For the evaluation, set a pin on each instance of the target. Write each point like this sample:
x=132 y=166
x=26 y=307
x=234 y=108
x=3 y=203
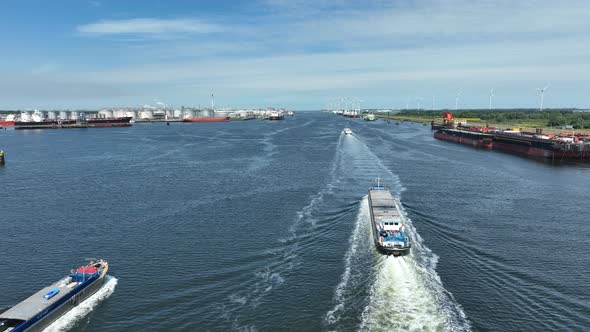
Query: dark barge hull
x=526 y=147
x=483 y=142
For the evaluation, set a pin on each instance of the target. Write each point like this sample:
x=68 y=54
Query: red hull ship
x=534 y=145
x=206 y=119
x=4 y=123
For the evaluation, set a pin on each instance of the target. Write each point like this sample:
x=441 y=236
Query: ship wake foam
x=73 y=316
x=386 y=293
x=353 y=277
x=404 y=298
x=286 y=253
x=408 y=294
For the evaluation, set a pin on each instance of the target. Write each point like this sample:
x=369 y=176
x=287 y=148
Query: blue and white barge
x=47 y=305
x=388 y=223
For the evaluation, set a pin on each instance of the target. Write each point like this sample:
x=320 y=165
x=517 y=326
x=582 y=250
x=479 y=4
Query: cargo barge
x=44 y=307
x=475 y=139
x=388 y=223
x=70 y=123
x=533 y=145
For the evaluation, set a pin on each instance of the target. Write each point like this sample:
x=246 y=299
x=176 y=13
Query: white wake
x=68 y=320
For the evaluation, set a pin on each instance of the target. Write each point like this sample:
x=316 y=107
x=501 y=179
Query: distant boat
x=275 y=115
x=47 y=305
x=370 y=117
x=347 y=131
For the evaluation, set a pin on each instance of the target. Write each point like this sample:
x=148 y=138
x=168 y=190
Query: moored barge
x=534 y=145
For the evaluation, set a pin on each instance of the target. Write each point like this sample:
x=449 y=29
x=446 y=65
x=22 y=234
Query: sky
x=293 y=53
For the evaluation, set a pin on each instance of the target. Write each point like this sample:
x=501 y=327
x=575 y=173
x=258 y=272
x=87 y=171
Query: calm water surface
x=264 y=226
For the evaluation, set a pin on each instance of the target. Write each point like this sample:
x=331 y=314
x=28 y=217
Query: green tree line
x=551 y=117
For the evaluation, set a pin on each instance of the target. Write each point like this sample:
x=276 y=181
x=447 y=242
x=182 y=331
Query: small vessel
x=47 y=305
x=8 y=121
x=388 y=223
x=275 y=115
x=2 y=160
x=347 y=131
x=370 y=117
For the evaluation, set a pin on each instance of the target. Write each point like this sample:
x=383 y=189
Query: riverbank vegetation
x=529 y=118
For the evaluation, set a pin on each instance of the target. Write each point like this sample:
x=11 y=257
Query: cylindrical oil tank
x=25 y=117
x=188 y=114
x=105 y=114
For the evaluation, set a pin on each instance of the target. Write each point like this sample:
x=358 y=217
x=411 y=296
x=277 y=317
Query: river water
x=263 y=226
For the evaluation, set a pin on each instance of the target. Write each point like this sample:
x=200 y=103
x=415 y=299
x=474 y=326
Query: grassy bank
x=550 y=121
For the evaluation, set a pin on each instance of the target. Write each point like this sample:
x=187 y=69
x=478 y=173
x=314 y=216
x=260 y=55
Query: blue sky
x=296 y=54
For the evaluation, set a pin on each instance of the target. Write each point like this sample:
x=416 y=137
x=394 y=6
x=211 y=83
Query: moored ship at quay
x=71 y=123
x=528 y=144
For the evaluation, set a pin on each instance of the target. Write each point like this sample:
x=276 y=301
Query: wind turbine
x=408 y=103
x=542 y=91
x=457 y=100
x=491 y=96
x=419 y=100
x=433 y=102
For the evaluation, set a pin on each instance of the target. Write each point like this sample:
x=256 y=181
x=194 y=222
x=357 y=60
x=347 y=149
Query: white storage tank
x=206 y=113
x=145 y=114
x=221 y=114
x=188 y=114
x=105 y=114
x=25 y=117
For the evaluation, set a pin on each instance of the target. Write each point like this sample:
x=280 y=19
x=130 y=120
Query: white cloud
x=149 y=26
x=318 y=48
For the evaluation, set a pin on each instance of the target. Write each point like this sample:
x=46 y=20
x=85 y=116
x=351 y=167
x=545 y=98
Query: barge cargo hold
x=388 y=223
x=44 y=307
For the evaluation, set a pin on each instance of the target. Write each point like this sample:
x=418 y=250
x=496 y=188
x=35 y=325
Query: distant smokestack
x=212 y=102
